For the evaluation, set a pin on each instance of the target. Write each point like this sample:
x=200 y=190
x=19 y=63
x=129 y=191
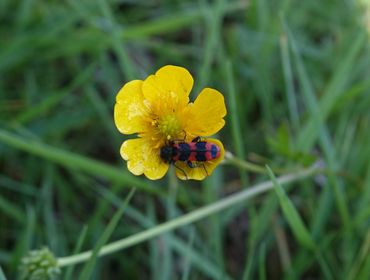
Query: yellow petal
x=202 y=169
x=142 y=158
x=130 y=111
x=205 y=116
x=168 y=90
x=184 y=172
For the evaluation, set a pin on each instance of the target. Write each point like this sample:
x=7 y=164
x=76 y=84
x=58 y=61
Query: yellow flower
x=158 y=110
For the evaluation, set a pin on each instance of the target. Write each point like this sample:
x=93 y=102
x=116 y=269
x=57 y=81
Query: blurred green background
x=295 y=76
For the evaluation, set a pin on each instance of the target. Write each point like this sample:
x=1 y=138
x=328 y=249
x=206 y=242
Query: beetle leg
x=194 y=164
x=196 y=139
x=179 y=168
x=205 y=169
x=183 y=140
x=191 y=164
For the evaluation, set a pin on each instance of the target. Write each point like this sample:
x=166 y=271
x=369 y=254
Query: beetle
x=194 y=153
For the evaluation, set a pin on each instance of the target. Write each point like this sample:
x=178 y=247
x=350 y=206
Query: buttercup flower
x=158 y=110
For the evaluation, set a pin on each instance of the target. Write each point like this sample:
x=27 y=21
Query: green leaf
x=291 y=214
x=73 y=161
x=89 y=266
x=281 y=144
x=79 y=243
x=2 y=275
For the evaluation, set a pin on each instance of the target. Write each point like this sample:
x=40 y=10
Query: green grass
x=295 y=79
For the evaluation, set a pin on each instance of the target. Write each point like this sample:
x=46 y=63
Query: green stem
x=186 y=219
x=242 y=164
x=230 y=159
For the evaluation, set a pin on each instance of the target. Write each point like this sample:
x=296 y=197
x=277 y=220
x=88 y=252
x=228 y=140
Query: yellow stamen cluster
x=169 y=126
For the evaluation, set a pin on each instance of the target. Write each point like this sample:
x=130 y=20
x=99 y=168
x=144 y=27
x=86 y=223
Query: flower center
x=169 y=126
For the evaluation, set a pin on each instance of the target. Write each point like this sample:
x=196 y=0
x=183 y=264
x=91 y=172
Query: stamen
x=169 y=126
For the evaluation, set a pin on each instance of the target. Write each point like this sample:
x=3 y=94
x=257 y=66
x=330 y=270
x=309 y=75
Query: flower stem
x=253 y=167
x=186 y=219
x=233 y=160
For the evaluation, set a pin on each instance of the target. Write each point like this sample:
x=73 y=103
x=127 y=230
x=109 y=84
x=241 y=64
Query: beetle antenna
x=184 y=139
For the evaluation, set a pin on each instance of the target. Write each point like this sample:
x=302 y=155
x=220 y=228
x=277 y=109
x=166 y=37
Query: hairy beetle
x=194 y=153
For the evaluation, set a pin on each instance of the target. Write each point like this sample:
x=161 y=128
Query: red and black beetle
x=194 y=153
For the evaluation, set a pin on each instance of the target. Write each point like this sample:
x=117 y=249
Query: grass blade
x=289 y=83
x=74 y=161
x=361 y=265
x=80 y=241
x=291 y=214
x=324 y=136
x=187 y=263
x=296 y=224
x=334 y=91
x=11 y=209
x=191 y=217
x=89 y=266
x=2 y=275
x=148 y=220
